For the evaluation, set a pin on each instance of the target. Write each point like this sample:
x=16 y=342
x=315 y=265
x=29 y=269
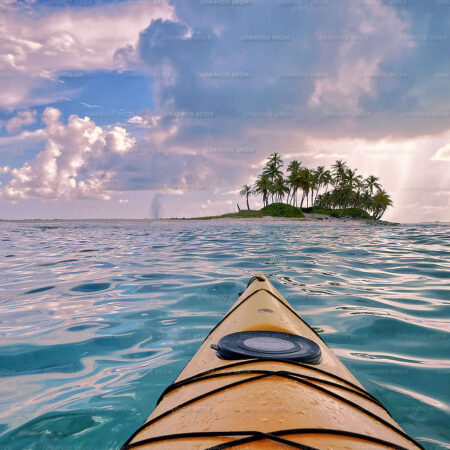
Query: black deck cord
x=257 y=435
x=310 y=431
x=259 y=377
x=255 y=277
x=294 y=375
x=147 y=424
x=257 y=360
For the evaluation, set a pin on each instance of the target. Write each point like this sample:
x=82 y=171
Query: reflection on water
x=97 y=318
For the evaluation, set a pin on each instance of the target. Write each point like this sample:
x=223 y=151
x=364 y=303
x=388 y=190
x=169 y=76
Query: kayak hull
x=321 y=405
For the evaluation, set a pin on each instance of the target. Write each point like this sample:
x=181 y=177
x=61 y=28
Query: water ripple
x=97 y=318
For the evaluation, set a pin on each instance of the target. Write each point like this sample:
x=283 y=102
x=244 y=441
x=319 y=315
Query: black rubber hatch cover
x=268 y=344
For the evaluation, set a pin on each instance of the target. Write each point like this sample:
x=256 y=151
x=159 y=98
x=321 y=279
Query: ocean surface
x=97 y=318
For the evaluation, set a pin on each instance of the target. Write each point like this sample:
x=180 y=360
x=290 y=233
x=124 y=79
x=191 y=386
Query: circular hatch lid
x=268 y=344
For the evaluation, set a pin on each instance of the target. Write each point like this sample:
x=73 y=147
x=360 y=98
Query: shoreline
x=310 y=218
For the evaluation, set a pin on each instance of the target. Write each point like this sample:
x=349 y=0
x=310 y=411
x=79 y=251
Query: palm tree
x=366 y=201
x=293 y=170
x=313 y=184
x=272 y=170
x=326 y=179
x=246 y=191
x=338 y=197
x=348 y=188
x=380 y=202
x=323 y=179
x=262 y=186
x=372 y=182
x=359 y=188
x=275 y=158
x=303 y=181
x=325 y=200
x=339 y=168
x=350 y=180
x=280 y=188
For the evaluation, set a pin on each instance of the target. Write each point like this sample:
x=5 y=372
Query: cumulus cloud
x=119 y=141
x=356 y=53
x=312 y=81
x=143 y=121
x=315 y=83
x=23 y=118
x=36 y=44
x=73 y=162
x=269 y=63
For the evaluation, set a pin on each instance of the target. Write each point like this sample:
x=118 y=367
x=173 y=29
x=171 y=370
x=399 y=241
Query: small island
x=339 y=192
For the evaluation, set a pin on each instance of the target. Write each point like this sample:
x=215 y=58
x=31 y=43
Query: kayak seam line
x=251 y=361
x=259 y=435
x=302 y=431
x=255 y=435
x=294 y=374
x=312 y=385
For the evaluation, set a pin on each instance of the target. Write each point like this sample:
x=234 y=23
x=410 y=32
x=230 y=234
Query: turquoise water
x=97 y=318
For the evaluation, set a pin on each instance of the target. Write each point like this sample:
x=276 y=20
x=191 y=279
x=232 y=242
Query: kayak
x=264 y=379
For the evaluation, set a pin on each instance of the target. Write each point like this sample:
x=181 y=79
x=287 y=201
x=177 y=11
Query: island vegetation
x=338 y=192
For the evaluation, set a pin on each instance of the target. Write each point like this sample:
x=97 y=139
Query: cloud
x=143 y=121
x=15 y=4
x=22 y=119
x=74 y=38
x=312 y=80
x=77 y=161
x=269 y=65
x=403 y=166
x=38 y=43
x=119 y=141
x=89 y=106
x=356 y=54
x=443 y=154
x=315 y=83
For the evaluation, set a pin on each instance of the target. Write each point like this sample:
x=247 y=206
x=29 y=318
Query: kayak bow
x=263 y=378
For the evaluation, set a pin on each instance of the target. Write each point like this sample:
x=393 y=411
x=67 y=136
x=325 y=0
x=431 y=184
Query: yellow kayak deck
x=267 y=404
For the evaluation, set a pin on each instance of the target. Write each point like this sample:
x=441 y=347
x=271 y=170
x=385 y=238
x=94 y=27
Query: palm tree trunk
x=345 y=204
x=317 y=194
x=248 y=206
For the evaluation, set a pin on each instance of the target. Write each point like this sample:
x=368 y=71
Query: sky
x=155 y=108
